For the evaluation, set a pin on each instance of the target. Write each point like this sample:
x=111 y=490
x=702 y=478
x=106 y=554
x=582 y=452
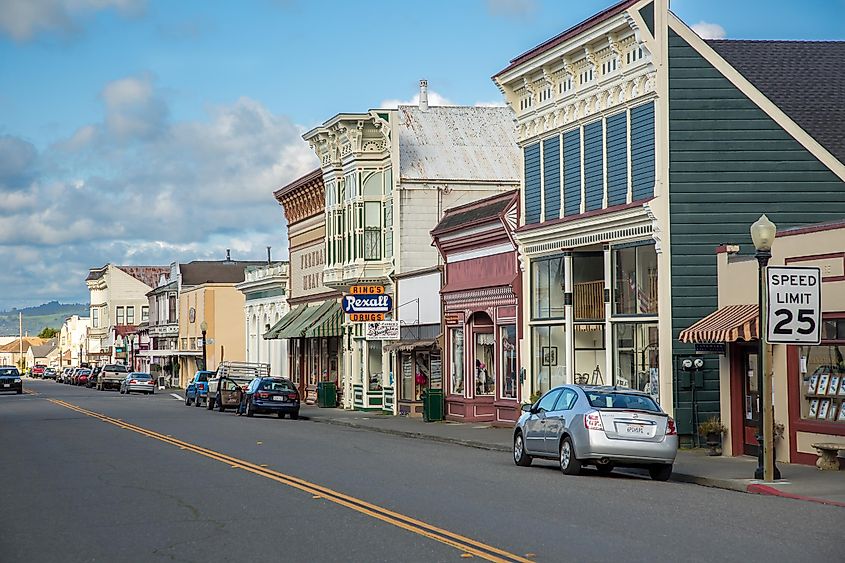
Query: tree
x=48 y=333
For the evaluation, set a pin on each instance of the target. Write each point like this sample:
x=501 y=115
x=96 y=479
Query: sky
x=151 y=131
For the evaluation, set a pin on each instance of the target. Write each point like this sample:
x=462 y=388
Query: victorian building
x=389 y=175
x=72 y=339
x=644 y=147
x=313 y=327
x=265 y=288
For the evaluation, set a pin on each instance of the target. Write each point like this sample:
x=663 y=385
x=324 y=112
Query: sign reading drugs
x=367 y=307
x=794 y=310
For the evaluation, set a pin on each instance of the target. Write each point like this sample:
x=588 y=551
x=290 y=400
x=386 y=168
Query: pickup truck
x=197 y=389
x=111 y=376
x=228 y=383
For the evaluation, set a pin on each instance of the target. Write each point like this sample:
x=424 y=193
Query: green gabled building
x=645 y=147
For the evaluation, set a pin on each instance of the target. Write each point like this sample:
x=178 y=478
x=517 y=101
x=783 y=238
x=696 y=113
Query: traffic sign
x=794 y=309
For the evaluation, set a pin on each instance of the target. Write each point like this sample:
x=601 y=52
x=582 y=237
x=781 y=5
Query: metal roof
x=463 y=143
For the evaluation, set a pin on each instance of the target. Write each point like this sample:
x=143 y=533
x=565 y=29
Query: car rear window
x=276 y=386
x=141 y=376
x=9 y=371
x=613 y=400
x=116 y=367
x=202 y=377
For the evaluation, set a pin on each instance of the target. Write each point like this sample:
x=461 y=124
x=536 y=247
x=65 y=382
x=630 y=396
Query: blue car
x=271 y=395
x=197 y=390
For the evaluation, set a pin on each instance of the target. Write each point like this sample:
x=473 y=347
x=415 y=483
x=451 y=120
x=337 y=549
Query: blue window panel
x=642 y=151
x=617 y=159
x=593 y=169
x=551 y=178
x=532 y=183
x=572 y=172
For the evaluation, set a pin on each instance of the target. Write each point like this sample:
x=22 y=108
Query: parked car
x=111 y=376
x=197 y=390
x=138 y=381
x=228 y=395
x=273 y=395
x=50 y=373
x=605 y=427
x=92 y=379
x=10 y=380
x=69 y=377
x=81 y=377
x=239 y=375
x=38 y=371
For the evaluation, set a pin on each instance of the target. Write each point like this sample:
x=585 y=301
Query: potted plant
x=712 y=430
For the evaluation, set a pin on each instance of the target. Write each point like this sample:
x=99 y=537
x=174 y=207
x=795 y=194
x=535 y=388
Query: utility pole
x=20 y=338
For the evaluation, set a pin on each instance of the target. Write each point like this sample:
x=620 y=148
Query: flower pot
x=714 y=442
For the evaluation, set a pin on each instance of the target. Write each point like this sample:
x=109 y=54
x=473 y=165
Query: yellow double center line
x=464 y=544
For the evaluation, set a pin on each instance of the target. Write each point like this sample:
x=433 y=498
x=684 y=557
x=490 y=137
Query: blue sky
x=103 y=101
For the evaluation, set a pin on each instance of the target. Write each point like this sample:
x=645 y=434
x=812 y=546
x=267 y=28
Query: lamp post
x=763 y=233
x=203 y=329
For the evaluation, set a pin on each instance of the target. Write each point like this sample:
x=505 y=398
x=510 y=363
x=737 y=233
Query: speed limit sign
x=795 y=300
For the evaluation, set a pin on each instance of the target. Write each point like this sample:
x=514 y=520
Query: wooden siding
x=572 y=172
x=593 y=166
x=483 y=271
x=532 y=183
x=642 y=151
x=729 y=162
x=551 y=178
x=617 y=159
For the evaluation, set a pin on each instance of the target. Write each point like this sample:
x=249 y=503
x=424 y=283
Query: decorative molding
x=656 y=232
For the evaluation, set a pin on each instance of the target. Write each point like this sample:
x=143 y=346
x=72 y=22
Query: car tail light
x=671 y=430
x=292 y=396
x=132 y=382
x=592 y=420
x=264 y=395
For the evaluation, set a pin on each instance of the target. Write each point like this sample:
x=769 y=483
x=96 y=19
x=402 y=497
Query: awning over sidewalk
x=728 y=324
x=330 y=323
x=284 y=322
x=408 y=345
x=308 y=317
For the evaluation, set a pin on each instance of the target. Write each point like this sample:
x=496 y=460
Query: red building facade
x=480 y=302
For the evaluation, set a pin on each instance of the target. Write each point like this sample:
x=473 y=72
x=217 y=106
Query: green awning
x=329 y=324
x=304 y=321
x=284 y=322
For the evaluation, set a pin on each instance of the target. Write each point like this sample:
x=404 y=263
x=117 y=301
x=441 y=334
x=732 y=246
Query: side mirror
x=527 y=407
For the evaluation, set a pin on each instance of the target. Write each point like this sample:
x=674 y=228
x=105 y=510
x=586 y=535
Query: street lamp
x=763 y=234
x=203 y=329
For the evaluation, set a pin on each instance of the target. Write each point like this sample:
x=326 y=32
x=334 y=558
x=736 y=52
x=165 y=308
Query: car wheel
x=294 y=415
x=249 y=411
x=220 y=406
x=280 y=414
x=569 y=463
x=209 y=404
x=197 y=401
x=519 y=456
x=604 y=468
x=660 y=471
x=187 y=400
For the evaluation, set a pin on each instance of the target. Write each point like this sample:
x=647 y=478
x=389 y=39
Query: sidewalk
x=691 y=466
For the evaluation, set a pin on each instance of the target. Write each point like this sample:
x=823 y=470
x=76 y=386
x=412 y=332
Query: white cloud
x=707 y=30
x=121 y=191
x=23 y=19
x=506 y=8
x=434 y=99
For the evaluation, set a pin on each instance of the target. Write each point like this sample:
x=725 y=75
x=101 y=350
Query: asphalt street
x=98 y=476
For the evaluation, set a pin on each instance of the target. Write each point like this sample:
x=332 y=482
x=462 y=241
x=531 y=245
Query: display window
x=374 y=364
x=590 y=355
x=635 y=280
x=822 y=373
x=548 y=356
x=637 y=357
x=507 y=337
x=456 y=366
x=485 y=379
x=547 y=287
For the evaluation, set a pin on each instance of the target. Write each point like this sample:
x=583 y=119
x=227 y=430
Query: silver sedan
x=605 y=427
x=138 y=381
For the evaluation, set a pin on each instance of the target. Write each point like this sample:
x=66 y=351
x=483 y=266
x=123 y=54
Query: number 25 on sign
x=794 y=310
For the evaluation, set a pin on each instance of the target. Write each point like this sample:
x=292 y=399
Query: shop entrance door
x=751 y=398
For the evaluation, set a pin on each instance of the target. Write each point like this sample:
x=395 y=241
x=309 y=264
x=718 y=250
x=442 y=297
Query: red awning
x=506 y=280
x=728 y=324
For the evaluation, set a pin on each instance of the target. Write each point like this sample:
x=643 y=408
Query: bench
x=828 y=460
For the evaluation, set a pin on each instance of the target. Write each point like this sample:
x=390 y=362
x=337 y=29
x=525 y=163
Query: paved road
x=98 y=476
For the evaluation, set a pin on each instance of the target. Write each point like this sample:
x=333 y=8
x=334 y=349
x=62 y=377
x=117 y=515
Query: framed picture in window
x=834 y=385
x=842 y=385
x=823 y=381
x=814 y=409
x=549 y=355
x=814 y=382
x=824 y=409
x=841 y=417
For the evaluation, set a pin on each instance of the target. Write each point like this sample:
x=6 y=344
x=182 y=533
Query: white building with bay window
x=389 y=175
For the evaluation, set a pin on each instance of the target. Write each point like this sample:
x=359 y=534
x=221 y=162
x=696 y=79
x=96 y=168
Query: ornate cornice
x=303 y=198
x=349 y=135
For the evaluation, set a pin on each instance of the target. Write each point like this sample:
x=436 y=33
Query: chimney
x=424 y=95
x=269 y=260
x=228 y=255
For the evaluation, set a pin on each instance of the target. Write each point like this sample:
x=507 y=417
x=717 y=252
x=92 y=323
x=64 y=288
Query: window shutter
x=532 y=183
x=642 y=151
x=617 y=159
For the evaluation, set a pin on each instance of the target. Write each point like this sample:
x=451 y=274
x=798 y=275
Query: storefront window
x=374 y=364
x=635 y=280
x=590 y=357
x=422 y=374
x=456 y=337
x=548 y=356
x=296 y=359
x=637 y=359
x=484 y=367
x=588 y=285
x=822 y=371
x=547 y=288
x=507 y=337
x=408 y=393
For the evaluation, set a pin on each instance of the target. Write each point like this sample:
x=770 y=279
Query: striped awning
x=284 y=322
x=728 y=324
x=306 y=320
x=329 y=324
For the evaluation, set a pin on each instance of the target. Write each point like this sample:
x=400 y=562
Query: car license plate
x=278 y=398
x=9 y=385
x=635 y=429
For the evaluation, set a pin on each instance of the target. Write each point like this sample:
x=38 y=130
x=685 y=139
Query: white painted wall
x=426 y=288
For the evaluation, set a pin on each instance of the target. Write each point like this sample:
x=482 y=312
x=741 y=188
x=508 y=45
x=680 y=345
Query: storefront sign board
x=385 y=330
x=367 y=303
x=794 y=308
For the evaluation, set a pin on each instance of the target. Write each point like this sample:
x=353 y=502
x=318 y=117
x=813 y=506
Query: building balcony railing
x=588 y=299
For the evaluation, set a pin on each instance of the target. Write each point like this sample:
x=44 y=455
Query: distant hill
x=51 y=314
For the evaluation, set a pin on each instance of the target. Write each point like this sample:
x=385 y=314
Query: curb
x=756 y=488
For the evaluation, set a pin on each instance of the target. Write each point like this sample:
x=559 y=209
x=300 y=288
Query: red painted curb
x=767 y=490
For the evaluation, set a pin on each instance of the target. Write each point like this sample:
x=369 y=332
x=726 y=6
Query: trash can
x=326 y=394
x=432 y=405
